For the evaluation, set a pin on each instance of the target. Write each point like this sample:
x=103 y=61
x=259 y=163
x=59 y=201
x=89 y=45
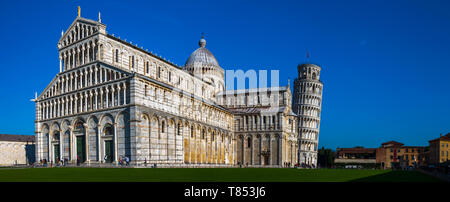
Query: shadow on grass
x=398 y=176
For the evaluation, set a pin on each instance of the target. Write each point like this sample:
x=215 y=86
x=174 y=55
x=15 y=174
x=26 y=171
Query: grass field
x=207 y=175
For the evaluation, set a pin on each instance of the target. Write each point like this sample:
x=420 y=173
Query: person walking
x=127 y=160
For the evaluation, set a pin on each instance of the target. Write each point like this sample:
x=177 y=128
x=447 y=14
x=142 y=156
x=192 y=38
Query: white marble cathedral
x=112 y=99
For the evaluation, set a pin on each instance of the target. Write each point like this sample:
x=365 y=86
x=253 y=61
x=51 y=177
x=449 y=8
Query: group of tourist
x=124 y=161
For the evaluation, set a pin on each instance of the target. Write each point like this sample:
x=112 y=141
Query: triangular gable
x=48 y=87
x=72 y=27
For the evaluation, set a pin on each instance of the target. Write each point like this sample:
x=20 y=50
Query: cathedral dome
x=202 y=64
x=201 y=57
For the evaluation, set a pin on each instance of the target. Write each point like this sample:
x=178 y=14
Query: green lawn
x=207 y=175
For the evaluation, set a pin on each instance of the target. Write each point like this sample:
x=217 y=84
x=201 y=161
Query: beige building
x=439 y=150
x=16 y=149
x=113 y=99
x=395 y=154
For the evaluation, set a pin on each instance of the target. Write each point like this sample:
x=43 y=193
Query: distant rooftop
x=16 y=138
x=443 y=137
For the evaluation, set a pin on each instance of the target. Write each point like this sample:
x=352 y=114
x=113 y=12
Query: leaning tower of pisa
x=307 y=105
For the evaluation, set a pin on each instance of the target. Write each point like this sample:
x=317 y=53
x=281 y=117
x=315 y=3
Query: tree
x=325 y=158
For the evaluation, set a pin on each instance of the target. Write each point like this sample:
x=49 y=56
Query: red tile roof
x=444 y=137
x=393 y=143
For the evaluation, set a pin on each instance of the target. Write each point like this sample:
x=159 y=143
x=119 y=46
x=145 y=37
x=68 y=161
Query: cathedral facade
x=112 y=99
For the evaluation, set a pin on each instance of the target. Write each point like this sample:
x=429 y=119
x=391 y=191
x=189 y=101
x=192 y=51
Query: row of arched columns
x=167 y=100
x=82 y=78
x=102 y=97
x=310 y=87
x=308 y=158
x=79 y=55
x=309 y=122
x=309 y=71
x=157 y=139
x=84 y=140
x=258 y=122
x=173 y=140
x=309 y=110
x=309 y=99
x=308 y=145
x=275 y=98
x=309 y=134
x=260 y=149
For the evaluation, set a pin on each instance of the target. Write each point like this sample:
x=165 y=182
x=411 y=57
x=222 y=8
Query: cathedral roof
x=253 y=90
x=201 y=57
x=257 y=110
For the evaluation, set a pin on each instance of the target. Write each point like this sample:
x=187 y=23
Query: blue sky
x=385 y=64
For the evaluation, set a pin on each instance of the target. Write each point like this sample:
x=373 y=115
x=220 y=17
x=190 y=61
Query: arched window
x=79 y=127
x=56 y=136
x=117 y=55
x=179 y=129
x=249 y=142
x=192 y=131
x=203 y=134
x=108 y=130
x=145 y=90
x=163 y=125
x=158 y=69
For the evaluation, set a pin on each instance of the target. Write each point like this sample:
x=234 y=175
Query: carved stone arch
x=124 y=52
x=203 y=132
x=45 y=128
x=109 y=46
x=78 y=120
x=154 y=118
x=154 y=127
x=171 y=126
x=172 y=121
x=144 y=117
x=107 y=118
x=144 y=140
x=123 y=133
x=55 y=127
x=92 y=121
x=65 y=125
x=92 y=135
x=163 y=124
